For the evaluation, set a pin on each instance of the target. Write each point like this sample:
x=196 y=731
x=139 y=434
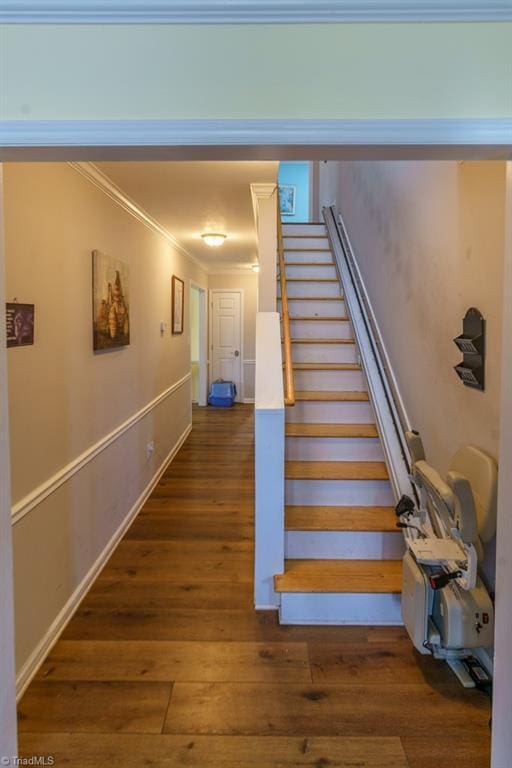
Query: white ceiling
x=190 y=198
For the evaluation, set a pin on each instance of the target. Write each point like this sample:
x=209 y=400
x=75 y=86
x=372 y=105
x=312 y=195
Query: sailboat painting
x=111 y=302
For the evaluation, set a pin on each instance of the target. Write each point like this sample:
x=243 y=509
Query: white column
x=502 y=703
x=264 y=198
x=269 y=460
x=7 y=684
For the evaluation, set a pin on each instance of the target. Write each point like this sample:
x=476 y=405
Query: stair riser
x=340 y=609
x=345 y=493
x=326 y=413
x=305 y=242
x=316 y=329
x=312 y=273
x=315 y=308
x=333 y=449
x=319 y=257
x=324 y=353
x=335 y=381
x=346 y=545
x=303 y=229
x=311 y=288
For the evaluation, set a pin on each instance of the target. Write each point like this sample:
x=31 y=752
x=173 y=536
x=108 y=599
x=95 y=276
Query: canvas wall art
x=111 y=302
x=287 y=194
x=19 y=324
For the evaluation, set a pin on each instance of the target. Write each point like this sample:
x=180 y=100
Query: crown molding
x=100 y=180
x=248 y=11
x=248 y=139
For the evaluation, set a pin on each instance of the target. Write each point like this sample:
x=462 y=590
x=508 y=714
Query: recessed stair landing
x=343 y=551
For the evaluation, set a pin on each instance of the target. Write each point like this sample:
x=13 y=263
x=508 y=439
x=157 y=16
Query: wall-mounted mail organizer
x=471 y=343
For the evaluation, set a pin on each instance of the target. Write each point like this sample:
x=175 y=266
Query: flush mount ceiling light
x=213 y=239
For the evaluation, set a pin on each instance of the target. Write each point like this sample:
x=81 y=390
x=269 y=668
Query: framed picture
x=178 y=304
x=287 y=199
x=111 y=302
x=19 y=324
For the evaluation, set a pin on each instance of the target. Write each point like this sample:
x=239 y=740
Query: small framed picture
x=178 y=304
x=287 y=199
x=19 y=320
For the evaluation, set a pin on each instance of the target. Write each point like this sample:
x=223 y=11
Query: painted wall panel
x=257 y=71
x=296 y=174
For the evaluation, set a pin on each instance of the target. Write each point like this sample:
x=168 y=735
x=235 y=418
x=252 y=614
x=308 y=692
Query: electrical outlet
x=150 y=449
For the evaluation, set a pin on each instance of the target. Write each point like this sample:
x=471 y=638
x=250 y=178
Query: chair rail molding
x=248 y=11
x=52 y=484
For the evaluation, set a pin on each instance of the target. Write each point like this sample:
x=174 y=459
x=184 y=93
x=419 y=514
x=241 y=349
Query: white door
x=226 y=338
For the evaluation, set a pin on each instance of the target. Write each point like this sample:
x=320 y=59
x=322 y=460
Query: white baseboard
x=248 y=400
x=266 y=607
x=36 y=658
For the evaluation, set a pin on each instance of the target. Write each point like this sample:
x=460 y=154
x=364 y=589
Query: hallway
x=166 y=662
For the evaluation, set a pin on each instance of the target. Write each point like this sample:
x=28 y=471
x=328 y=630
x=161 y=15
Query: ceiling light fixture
x=255 y=267
x=213 y=239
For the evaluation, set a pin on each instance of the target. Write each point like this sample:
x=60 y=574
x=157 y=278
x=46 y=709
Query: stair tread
x=363 y=519
x=312 y=298
x=332 y=396
x=336 y=470
x=347 y=576
x=323 y=341
x=297 y=429
x=309 y=263
x=305 y=250
x=326 y=366
x=329 y=318
x=311 y=279
x=306 y=237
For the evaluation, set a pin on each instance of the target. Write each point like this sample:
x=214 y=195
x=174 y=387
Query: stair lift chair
x=446 y=607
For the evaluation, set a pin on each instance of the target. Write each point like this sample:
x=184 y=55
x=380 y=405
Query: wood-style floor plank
x=163 y=661
x=324 y=709
x=99 y=707
x=175 y=601
x=168 y=751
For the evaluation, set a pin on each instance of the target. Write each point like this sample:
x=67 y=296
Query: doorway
x=198 y=352
x=226 y=337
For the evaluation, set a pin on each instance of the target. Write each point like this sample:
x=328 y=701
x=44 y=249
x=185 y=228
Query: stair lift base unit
x=446 y=607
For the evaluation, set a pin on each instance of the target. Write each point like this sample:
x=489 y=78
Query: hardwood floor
x=167 y=664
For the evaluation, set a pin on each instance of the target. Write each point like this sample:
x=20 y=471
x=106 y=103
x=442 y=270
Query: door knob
x=237 y=353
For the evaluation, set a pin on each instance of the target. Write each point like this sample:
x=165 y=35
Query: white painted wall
x=64 y=399
x=7 y=689
x=502 y=703
x=269 y=460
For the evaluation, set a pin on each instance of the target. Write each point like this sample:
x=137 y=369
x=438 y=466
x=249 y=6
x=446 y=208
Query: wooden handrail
x=289 y=396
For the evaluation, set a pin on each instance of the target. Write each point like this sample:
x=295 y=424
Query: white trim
x=248 y=11
x=241 y=291
x=275 y=134
x=36 y=658
x=39 y=494
x=203 y=342
x=100 y=180
x=248 y=400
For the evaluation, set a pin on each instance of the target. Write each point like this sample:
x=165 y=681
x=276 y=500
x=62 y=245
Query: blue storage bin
x=222 y=394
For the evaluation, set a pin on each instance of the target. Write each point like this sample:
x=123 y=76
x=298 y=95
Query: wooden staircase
x=343 y=550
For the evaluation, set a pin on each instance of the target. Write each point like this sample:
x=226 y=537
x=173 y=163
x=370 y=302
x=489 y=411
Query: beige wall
x=65 y=399
x=255 y=71
x=249 y=285
x=429 y=238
